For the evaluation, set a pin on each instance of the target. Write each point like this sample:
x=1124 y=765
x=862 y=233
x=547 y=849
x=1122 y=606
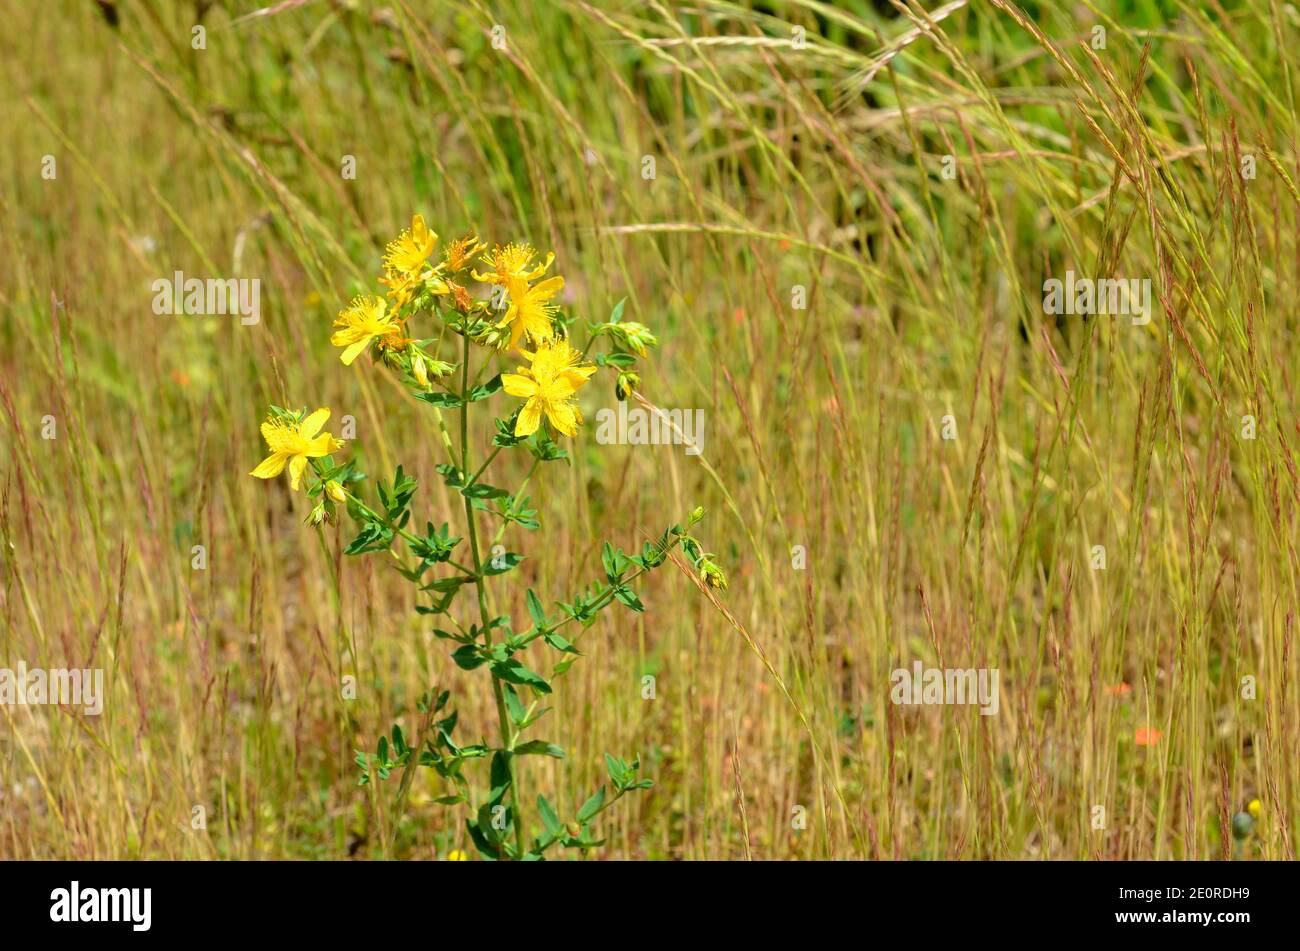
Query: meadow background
x=782 y=160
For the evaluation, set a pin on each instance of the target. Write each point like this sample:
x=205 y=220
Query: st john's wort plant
x=452 y=370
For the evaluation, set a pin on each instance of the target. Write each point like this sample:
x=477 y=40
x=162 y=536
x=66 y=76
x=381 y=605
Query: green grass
x=775 y=167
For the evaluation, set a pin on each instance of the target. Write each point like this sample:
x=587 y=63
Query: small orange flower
x=1147 y=736
x=1120 y=689
x=462 y=251
x=460 y=296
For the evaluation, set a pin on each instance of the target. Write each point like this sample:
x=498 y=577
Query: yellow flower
x=407 y=253
x=361 y=322
x=530 y=311
x=512 y=266
x=294 y=443
x=559 y=359
x=401 y=287
x=549 y=385
x=1255 y=808
x=456 y=855
x=405 y=259
x=530 y=305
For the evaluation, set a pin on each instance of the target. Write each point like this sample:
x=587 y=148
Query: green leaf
x=609 y=559
x=500 y=564
x=535 y=609
x=443 y=585
x=514 y=706
x=500 y=777
x=625 y=595
x=620 y=359
x=549 y=818
x=592 y=805
x=486 y=848
x=468 y=657
x=373 y=537
x=525 y=516
x=442 y=400
x=541 y=445
x=481 y=490
x=618 y=771
x=511 y=671
x=486 y=390
x=540 y=748
x=559 y=643
x=616 y=314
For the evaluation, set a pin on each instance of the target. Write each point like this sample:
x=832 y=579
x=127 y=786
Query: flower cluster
x=519 y=311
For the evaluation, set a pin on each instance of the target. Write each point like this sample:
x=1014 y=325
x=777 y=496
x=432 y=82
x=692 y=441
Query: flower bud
x=637 y=336
x=713 y=575
x=335 y=491
x=627 y=382
x=419 y=371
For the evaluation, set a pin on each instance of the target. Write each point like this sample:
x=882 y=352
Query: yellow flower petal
x=516 y=332
x=323 y=445
x=271 y=466
x=562 y=417
x=516 y=385
x=313 y=423
x=353 y=351
x=419 y=230
x=296 y=466
x=547 y=289
x=530 y=417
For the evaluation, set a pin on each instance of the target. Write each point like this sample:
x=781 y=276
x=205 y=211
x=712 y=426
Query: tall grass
x=778 y=163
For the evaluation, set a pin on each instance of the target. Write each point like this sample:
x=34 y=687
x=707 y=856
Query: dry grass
x=776 y=167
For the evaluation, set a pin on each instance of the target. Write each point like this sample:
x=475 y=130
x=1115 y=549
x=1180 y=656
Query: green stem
x=480 y=587
x=514 y=501
x=379 y=518
x=486 y=462
x=602 y=600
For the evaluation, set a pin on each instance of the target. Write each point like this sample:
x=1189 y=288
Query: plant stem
x=514 y=501
x=480 y=587
x=598 y=604
x=486 y=462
